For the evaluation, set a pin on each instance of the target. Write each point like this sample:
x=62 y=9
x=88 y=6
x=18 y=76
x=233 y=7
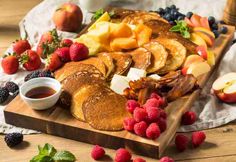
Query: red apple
x=195 y=19
x=202 y=51
x=207 y=38
x=205 y=23
x=68 y=17
x=188 y=21
x=225 y=88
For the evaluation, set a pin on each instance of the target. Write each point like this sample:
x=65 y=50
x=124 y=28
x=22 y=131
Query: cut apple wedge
x=204 y=30
x=197 y=40
x=195 y=19
x=192 y=59
x=225 y=88
x=206 y=37
x=188 y=21
x=199 y=68
x=202 y=51
x=210 y=58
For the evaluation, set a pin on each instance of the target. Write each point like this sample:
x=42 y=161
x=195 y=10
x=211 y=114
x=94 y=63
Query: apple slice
x=204 y=30
x=202 y=51
x=192 y=59
x=210 y=58
x=197 y=40
x=188 y=21
x=225 y=88
x=205 y=23
x=198 y=68
x=195 y=19
x=206 y=37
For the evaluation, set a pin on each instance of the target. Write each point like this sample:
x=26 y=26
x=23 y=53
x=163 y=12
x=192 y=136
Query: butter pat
x=119 y=83
x=136 y=74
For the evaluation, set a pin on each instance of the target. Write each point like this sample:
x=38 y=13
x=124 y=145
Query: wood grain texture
x=58 y=121
x=219 y=147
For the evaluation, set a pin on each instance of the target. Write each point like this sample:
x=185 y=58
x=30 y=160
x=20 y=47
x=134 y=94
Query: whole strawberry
x=21 y=46
x=10 y=64
x=198 y=138
x=53 y=62
x=63 y=53
x=66 y=43
x=78 y=51
x=48 y=43
x=31 y=60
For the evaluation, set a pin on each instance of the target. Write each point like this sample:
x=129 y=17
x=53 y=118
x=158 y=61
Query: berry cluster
x=148 y=120
x=10 y=88
x=171 y=14
x=39 y=73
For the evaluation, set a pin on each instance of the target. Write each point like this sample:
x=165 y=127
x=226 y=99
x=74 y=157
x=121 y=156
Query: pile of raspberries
x=148 y=120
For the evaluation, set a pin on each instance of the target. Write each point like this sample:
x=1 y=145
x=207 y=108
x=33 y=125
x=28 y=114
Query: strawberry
x=10 y=64
x=63 y=53
x=21 y=46
x=181 y=142
x=48 y=43
x=53 y=62
x=30 y=60
x=198 y=138
x=78 y=51
x=66 y=43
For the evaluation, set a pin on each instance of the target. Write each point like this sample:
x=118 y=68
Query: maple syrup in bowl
x=41 y=93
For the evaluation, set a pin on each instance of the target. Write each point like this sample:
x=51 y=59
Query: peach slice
x=205 y=23
x=207 y=38
x=121 y=31
x=123 y=43
x=204 y=30
x=197 y=40
x=195 y=19
x=225 y=88
x=143 y=34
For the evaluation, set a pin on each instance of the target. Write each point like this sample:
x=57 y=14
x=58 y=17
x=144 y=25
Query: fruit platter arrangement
x=125 y=81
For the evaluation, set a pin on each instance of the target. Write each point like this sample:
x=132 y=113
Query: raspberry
x=159 y=98
x=4 y=93
x=166 y=159
x=128 y=124
x=188 y=118
x=161 y=122
x=12 y=87
x=97 y=152
x=140 y=128
x=153 y=131
x=163 y=114
x=181 y=142
x=122 y=155
x=139 y=160
x=140 y=114
x=131 y=105
x=152 y=102
x=13 y=139
x=198 y=138
x=152 y=114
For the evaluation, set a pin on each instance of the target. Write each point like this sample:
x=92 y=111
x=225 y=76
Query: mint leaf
x=181 y=27
x=98 y=14
x=186 y=34
x=47 y=150
x=41 y=158
x=64 y=156
x=175 y=28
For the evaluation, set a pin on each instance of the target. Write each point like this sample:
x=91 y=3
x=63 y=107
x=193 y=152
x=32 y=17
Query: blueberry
x=214 y=26
x=211 y=20
x=161 y=11
x=189 y=15
x=216 y=33
x=167 y=9
x=172 y=23
x=181 y=17
x=168 y=17
x=234 y=41
x=173 y=7
x=223 y=30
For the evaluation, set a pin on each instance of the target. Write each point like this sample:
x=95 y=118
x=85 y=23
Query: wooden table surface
x=219 y=146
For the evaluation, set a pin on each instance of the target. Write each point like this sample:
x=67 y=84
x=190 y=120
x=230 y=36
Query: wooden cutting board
x=58 y=121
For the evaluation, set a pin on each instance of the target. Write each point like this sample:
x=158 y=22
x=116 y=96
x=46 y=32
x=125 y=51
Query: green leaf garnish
x=181 y=27
x=48 y=153
x=100 y=12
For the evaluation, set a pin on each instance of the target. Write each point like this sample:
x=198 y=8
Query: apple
x=195 y=19
x=225 y=88
x=198 y=68
x=197 y=40
x=205 y=23
x=188 y=21
x=68 y=17
x=202 y=51
x=204 y=30
x=190 y=60
x=206 y=37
